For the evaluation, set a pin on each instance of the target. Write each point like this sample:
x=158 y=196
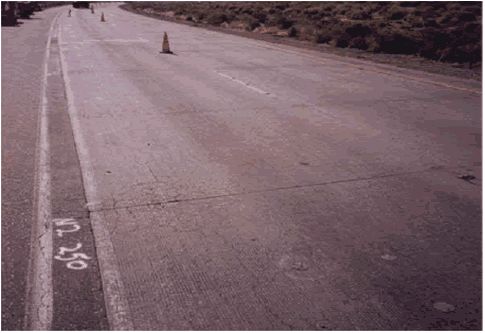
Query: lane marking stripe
x=86 y=41
x=247 y=85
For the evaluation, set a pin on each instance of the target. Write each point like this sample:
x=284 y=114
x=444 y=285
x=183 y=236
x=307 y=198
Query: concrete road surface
x=236 y=184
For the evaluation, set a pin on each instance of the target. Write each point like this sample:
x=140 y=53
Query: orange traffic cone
x=165 y=45
x=102 y=17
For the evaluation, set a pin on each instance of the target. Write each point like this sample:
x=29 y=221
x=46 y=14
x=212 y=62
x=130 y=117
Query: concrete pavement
x=246 y=187
x=240 y=185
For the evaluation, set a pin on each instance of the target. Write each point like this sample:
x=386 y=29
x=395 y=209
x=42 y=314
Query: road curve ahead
x=239 y=185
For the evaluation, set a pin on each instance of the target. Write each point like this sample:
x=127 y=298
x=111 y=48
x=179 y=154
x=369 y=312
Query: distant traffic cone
x=102 y=17
x=165 y=46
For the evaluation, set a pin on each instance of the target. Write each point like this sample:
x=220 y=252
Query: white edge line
x=39 y=298
x=117 y=307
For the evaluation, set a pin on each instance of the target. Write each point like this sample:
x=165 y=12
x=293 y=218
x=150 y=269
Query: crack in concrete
x=282 y=188
x=151 y=171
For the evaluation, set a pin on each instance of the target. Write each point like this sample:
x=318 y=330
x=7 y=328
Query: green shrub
x=398 y=42
x=284 y=22
x=430 y=23
x=247 y=11
x=342 y=41
x=397 y=15
x=322 y=37
x=361 y=15
x=280 y=21
x=292 y=32
x=466 y=17
x=216 y=18
x=250 y=22
x=473 y=28
x=409 y=3
x=358 y=43
x=260 y=16
x=281 y=5
x=358 y=30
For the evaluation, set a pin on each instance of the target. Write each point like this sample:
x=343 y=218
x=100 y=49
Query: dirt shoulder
x=406 y=61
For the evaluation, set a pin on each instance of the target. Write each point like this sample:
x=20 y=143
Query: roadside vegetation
x=443 y=31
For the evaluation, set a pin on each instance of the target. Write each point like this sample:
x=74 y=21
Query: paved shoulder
x=23 y=50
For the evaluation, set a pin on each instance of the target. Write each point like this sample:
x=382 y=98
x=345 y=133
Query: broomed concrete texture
x=247 y=186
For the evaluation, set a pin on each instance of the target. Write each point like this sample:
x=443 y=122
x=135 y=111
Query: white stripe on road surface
x=117 y=308
x=39 y=300
x=247 y=85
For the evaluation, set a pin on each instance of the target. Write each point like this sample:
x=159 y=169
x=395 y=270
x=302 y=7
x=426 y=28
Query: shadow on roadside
x=12 y=25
